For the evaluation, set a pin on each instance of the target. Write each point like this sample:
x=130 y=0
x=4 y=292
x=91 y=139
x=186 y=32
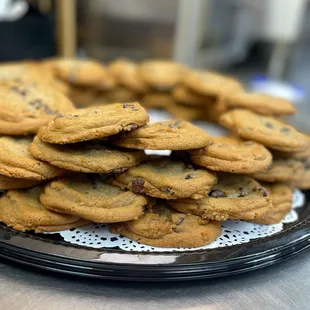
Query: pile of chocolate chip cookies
x=63 y=167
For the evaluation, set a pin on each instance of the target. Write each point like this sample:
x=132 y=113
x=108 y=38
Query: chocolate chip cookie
x=33 y=73
x=81 y=72
x=260 y=103
x=89 y=197
x=161 y=75
x=24 y=108
x=167 y=135
x=17 y=162
x=94 y=123
x=89 y=157
x=233 y=197
x=281 y=170
x=161 y=226
x=22 y=210
x=265 y=130
x=281 y=196
x=210 y=83
x=165 y=178
x=232 y=155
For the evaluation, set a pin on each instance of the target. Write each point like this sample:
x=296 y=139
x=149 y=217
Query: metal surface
x=284 y=286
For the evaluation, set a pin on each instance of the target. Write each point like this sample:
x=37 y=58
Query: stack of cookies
x=63 y=167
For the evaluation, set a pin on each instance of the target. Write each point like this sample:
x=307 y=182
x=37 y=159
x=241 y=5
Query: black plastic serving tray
x=50 y=252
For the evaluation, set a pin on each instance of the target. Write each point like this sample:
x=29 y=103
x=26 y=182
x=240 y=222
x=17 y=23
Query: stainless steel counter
x=283 y=286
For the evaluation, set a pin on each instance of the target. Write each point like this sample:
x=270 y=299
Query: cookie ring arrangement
x=73 y=151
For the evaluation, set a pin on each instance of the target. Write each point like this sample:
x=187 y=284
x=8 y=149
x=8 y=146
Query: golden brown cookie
x=167 y=179
x=265 y=130
x=210 y=83
x=22 y=210
x=167 y=135
x=83 y=73
x=33 y=73
x=88 y=157
x=24 y=108
x=163 y=227
x=281 y=196
x=89 y=197
x=94 y=123
x=281 y=170
x=233 y=197
x=232 y=155
x=17 y=162
x=161 y=75
x=260 y=103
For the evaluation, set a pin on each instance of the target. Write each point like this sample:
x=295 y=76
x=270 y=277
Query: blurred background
x=264 y=43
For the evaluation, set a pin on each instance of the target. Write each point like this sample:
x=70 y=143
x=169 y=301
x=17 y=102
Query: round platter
x=50 y=252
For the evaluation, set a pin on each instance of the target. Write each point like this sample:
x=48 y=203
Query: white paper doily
x=233 y=232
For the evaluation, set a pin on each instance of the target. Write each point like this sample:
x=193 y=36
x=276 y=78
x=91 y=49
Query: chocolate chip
x=39 y=105
x=137 y=185
x=19 y=90
x=119 y=170
x=269 y=125
x=217 y=193
x=263 y=191
x=188 y=176
x=180 y=221
x=285 y=130
x=132 y=127
x=243 y=192
x=175 y=229
x=168 y=190
x=131 y=106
